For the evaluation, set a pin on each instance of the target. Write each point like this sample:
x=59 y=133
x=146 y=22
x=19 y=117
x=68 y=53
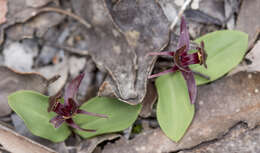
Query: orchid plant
x=66 y=111
x=55 y=117
x=182 y=60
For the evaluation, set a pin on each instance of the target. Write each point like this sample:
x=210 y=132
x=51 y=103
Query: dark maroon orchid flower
x=70 y=107
x=182 y=59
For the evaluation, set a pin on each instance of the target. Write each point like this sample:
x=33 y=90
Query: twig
x=53 y=79
x=78 y=18
x=72 y=50
x=184 y=6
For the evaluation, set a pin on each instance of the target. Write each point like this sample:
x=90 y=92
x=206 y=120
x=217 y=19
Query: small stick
x=72 y=50
x=76 y=17
x=53 y=79
x=184 y=6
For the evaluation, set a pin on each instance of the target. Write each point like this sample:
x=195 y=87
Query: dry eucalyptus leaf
x=3 y=11
x=11 y=81
x=239 y=139
x=61 y=69
x=248 y=19
x=122 y=34
x=214 y=8
x=37 y=3
x=23 y=52
x=36 y=26
x=254 y=57
x=16 y=143
x=107 y=46
x=169 y=8
x=221 y=105
x=76 y=65
x=20 y=11
x=231 y=7
x=88 y=146
x=149 y=100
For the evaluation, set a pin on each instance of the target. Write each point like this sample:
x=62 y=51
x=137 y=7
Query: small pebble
x=237 y=110
x=195 y=4
x=179 y=2
x=249 y=76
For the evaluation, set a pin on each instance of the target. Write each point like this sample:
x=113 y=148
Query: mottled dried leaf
x=149 y=99
x=221 y=105
x=3 y=11
x=11 y=81
x=19 y=12
x=122 y=35
x=254 y=57
x=17 y=143
x=248 y=19
x=88 y=146
x=239 y=139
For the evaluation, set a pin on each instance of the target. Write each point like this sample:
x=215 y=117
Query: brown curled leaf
x=11 y=81
x=122 y=35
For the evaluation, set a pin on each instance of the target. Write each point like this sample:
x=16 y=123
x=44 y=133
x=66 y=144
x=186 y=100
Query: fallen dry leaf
x=239 y=139
x=50 y=71
x=214 y=8
x=20 y=11
x=3 y=11
x=122 y=34
x=17 y=143
x=248 y=19
x=88 y=146
x=220 y=106
x=254 y=57
x=37 y=3
x=11 y=81
x=149 y=100
x=37 y=26
x=25 y=53
x=169 y=8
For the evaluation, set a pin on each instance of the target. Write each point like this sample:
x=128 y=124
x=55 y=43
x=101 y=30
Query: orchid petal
x=57 y=121
x=175 y=68
x=71 y=123
x=203 y=54
x=71 y=107
x=60 y=109
x=177 y=60
x=72 y=88
x=184 y=39
x=80 y=111
x=161 y=53
x=191 y=84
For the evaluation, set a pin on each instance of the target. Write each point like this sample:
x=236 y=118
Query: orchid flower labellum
x=65 y=111
x=182 y=59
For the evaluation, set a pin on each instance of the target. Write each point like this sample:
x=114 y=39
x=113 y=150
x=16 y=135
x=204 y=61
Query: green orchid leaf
x=120 y=116
x=174 y=110
x=225 y=50
x=32 y=108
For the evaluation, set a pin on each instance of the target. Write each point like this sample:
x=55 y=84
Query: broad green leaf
x=174 y=111
x=32 y=108
x=120 y=116
x=225 y=50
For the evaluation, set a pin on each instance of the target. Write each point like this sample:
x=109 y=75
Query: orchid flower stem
x=201 y=75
